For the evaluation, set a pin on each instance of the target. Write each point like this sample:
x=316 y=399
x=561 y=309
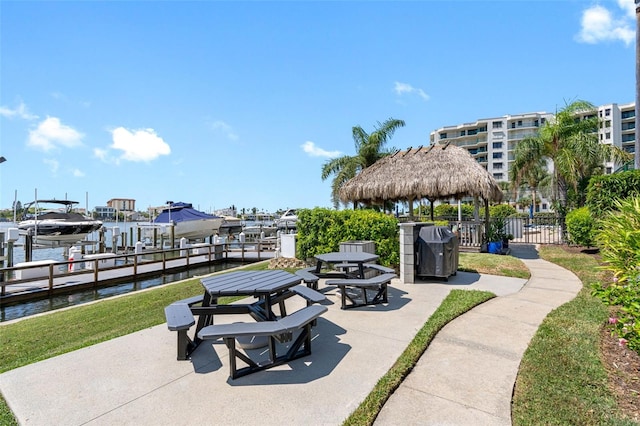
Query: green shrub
x=580 y=226
x=619 y=240
x=501 y=211
x=450 y=211
x=603 y=191
x=322 y=230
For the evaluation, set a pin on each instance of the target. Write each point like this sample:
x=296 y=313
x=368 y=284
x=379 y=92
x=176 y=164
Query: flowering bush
x=618 y=237
x=626 y=323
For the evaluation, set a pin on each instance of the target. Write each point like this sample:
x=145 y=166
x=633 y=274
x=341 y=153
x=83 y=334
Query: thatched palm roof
x=436 y=172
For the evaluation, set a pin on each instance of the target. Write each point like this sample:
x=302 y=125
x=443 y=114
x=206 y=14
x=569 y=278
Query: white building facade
x=492 y=141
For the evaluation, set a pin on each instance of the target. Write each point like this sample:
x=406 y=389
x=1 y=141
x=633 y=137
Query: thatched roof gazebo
x=436 y=172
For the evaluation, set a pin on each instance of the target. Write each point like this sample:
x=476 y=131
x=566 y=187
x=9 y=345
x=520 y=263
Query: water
x=25 y=309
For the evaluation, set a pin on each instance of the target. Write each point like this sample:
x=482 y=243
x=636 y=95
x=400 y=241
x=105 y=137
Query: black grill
x=437 y=252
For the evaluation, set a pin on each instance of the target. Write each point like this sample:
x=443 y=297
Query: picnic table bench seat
x=367 y=266
x=379 y=283
x=180 y=318
x=308 y=277
x=299 y=320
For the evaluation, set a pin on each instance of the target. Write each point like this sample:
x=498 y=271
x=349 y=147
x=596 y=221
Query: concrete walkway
x=465 y=377
x=467 y=374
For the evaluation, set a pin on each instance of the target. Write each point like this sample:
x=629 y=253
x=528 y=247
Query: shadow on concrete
x=326 y=354
x=524 y=251
x=460 y=278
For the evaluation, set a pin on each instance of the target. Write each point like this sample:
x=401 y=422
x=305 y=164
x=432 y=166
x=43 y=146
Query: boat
x=188 y=222
x=55 y=221
x=230 y=225
x=255 y=231
x=288 y=220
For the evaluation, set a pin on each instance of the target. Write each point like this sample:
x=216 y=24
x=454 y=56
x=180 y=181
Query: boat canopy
x=179 y=212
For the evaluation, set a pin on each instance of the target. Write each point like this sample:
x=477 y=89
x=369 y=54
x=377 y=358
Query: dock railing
x=50 y=276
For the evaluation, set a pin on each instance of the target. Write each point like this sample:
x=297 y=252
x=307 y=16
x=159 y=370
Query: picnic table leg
x=205 y=320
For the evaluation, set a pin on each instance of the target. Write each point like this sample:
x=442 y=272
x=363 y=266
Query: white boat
x=288 y=220
x=230 y=225
x=255 y=231
x=55 y=221
x=187 y=222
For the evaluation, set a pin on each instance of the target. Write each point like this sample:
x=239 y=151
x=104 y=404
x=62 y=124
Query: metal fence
x=536 y=230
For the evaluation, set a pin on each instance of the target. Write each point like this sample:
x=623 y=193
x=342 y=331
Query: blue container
x=494 y=247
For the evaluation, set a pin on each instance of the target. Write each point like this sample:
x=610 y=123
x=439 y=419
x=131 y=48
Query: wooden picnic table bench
x=299 y=320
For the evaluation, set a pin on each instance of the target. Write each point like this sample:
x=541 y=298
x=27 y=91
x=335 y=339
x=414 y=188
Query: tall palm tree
x=534 y=175
x=572 y=145
x=369 y=149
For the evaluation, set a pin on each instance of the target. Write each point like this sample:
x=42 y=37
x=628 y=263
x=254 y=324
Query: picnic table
x=354 y=265
x=269 y=288
x=348 y=260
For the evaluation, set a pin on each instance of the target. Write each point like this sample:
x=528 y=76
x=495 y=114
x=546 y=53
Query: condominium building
x=492 y=141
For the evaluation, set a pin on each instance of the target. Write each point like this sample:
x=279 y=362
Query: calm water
x=21 y=310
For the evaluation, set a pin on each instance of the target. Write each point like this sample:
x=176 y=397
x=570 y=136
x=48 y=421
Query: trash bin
x=437 y=251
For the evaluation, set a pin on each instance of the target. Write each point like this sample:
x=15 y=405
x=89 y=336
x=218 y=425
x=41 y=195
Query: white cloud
x=101 y=154
x=20 y=111
x=53 y=164
x=404 y=88
x=221 y=126
x=51 y=133
x=311 y=149
x=137 y=145
x=629 y=7
x=77 y=173
x=600 y=24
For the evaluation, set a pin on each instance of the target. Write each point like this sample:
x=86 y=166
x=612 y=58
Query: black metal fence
x=537 y=230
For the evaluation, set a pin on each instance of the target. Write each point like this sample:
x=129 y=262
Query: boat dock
x=38 y=279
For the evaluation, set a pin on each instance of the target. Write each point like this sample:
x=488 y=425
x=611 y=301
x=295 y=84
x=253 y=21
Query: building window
x=607 y=112
x=497 y=145
x=519 y=123
x=607 y=135
x=462 y=132
x=607 y=123
x=443 y=135
x=497 y=166
x=535 y=123
x=497 y=124
x=628 y=114
x=497 y=155
x=609 y=170
x=497 y=175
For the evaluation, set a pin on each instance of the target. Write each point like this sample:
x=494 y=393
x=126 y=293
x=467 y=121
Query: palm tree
x=534 y=175
x=572 y=145
x=369 y=149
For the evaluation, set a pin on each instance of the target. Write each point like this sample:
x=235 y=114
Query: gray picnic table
x=355 y=259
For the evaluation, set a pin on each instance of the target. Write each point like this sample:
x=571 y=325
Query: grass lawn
x=562 y=379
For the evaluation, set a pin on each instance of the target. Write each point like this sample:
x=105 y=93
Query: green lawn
x=561 y=379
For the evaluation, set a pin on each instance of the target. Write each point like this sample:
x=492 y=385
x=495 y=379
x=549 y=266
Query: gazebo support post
x=486 y=219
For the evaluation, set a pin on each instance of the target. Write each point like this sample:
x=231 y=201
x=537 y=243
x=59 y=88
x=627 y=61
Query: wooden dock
x=48 y=278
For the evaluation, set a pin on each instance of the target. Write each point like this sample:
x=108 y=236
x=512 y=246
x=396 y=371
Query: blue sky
x=241 y=103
